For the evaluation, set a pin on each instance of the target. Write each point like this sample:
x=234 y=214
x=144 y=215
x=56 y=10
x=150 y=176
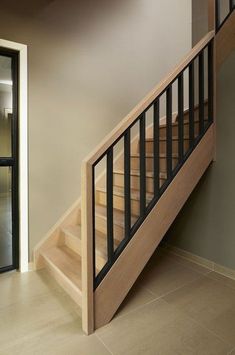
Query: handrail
x=113 y=136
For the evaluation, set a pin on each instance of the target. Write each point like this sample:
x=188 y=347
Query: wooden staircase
x=63 y=257
x=100 y=246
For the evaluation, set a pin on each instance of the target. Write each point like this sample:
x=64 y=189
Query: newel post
x=87 y=249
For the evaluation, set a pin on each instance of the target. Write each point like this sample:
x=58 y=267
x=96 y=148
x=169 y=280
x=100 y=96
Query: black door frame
x=13 y=161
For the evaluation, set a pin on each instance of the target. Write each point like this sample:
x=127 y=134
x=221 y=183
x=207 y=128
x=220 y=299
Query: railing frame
x=88 y=176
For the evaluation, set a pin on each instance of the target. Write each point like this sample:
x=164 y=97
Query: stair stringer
x=121 y=277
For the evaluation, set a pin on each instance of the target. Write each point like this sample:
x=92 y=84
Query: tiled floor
x=176 y=307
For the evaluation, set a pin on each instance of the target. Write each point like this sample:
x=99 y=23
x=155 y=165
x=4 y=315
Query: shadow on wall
x=89 y=8
x=206 y=224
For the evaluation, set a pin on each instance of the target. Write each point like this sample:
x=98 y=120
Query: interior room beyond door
x=9 y=235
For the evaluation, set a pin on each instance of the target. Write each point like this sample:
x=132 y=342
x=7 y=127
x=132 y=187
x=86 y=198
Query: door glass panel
x=5 y=217
x=6 y=106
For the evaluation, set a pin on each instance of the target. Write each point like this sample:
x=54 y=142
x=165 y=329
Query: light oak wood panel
x=87 y=250
x=65 y=267
x=74 y=242
x=118 y=180
x=162 y=145
x=175 y=129
x=119 y=200
x=115 y=286
x=54 y=236
x=135 y=162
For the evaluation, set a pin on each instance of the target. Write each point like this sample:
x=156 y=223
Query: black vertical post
x=127 y=183
x=191 y=105
x=217 y=13
x=156 y=117
x=232 y=5
x=109 y=186
x=201 y=93
x=181 y=117
x=142 y=166
x=211 y=81
x=169 y=131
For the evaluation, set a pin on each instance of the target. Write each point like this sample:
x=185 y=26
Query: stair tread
x=174 y=138
x=66 y=262
x=176 y=123
x=150 y=155
x=118 y=216
x=101 y=240
x=119 y=191
x=137 y=173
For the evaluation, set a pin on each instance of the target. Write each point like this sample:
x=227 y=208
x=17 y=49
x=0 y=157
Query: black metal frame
x=219 y=21
x=171 y=171
x=13 y=160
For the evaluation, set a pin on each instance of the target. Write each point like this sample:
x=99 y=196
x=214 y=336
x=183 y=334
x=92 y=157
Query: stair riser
x=101 y=226
x=75 y=244
x=149 y=163
x=175 y=130
x=162 y=146
x=66 y=284
x=135 y=182
x=118 y=202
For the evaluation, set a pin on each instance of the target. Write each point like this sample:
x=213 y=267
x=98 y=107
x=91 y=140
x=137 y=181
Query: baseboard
x=211 y=265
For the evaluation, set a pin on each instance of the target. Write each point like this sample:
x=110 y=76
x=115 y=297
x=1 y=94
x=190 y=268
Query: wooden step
x=72 y=239
x=135 y=160
x=65 y=266
x=162 y=145
x=118 y=178
x=101 y=222
x=119 y=200
x=175 y=129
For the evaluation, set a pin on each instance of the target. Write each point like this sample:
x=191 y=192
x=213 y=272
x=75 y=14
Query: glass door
x=9 y=234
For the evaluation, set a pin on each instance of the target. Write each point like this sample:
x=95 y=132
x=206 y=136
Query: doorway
x=9 y=179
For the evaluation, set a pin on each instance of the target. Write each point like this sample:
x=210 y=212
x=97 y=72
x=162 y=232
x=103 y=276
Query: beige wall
x=206 y=225
x=90 y=62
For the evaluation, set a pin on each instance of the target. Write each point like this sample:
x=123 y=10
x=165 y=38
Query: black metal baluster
x=231 y=5
x=191 y=105
x=169 y=131
x=201 y=93
x=181 y=117
x=210 y=82
x=127 y=183
x=156 y=170
x=109 y=187
x=217 y=11
x=142 y=166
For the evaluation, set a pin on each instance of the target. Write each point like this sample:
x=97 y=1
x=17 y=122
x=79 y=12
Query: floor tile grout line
x=199 y=324
x=157 y=298
x=103 y=343
x=221 y=282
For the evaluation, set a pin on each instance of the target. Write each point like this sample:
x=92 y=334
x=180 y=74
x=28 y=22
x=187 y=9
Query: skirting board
x=211 y=265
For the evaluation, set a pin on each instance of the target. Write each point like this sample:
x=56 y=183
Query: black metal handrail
x=198 y=75
x=219 y=20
